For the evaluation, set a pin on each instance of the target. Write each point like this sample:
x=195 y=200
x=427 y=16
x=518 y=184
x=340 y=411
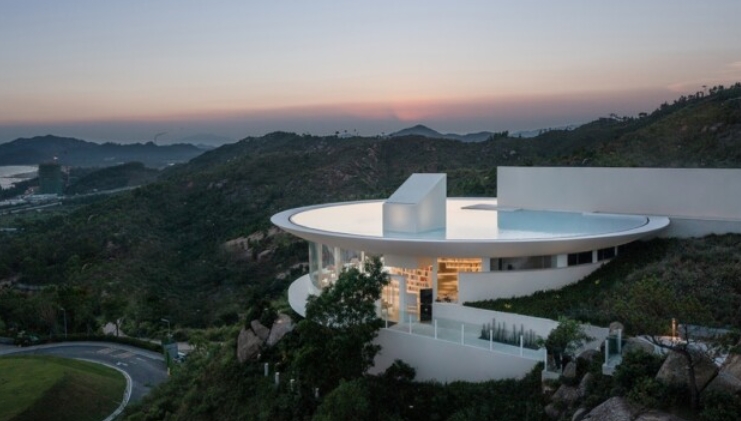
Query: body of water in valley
x=14 y=173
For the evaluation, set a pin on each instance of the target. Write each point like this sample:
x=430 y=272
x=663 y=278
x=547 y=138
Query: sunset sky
x=126 y=70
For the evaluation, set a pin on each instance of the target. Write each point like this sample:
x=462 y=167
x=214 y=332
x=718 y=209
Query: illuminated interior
x=447 y=275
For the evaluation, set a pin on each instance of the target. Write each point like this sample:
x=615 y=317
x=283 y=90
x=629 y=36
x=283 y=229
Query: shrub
x=649 y=393
x=635 y=366
x=719 y=406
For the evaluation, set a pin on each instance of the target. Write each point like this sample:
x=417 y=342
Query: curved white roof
x=474 y=227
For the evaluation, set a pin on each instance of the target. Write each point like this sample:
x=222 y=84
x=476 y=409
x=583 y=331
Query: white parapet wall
x=477 y=286
x=447 y=361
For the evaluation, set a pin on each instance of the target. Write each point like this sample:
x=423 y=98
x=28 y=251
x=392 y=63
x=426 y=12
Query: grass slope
x=708 y=267
x=49 y=388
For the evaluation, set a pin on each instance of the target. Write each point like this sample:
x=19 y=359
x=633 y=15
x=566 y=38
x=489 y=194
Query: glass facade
x=327 y=262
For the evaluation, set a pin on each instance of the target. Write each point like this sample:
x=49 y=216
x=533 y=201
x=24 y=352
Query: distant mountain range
x=80 y=153
x=422 y=130
x=205 y=140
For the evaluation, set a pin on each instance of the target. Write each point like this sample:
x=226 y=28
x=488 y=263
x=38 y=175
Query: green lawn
x=50 y=388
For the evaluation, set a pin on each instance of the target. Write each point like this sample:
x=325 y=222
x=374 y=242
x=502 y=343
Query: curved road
x=146 y=369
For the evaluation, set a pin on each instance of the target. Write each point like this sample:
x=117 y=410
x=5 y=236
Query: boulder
x=674 y=370
x=615 y=326
x=732 y=365
x=552 y=411
x=725 y=382
x=584 y=384
x=654 y=415
x=248 y=345
x=281 y=326
x=579 y=414
x=589 y=355
x=566 y=394
x=613 y=409
x=261 y=331
x=570 y=370
x=638 y=345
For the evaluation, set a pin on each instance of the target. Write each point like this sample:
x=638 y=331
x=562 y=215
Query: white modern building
x=549 y=227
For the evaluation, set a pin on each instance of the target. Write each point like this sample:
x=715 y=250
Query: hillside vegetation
x=708 y=268
x=161 y=251
x=196 y=248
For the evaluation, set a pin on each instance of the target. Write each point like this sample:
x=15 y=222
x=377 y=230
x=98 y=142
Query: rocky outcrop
x=579 y=414
x=281 y=326
x=585 y=383
x=552 y=411
x=589 y=355
x=248 y=345
x=725 y=382
x=615 y=326
x=638 y=345
x=567 y=395
x=613 y=409
x=261 y=331
x=658 y=416
x=732 y=365
x=569 y=371
x=251 y=340
x=674 y=370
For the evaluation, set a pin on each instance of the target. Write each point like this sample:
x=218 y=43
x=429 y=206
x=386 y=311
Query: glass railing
x=465 y=334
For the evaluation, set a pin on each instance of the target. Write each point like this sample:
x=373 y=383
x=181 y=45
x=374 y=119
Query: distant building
x=50 y=179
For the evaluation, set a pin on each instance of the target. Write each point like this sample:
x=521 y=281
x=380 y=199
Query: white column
x=433 y=278
x=402 y=297
x=545 y=358
x=522 y=344
x=337 y=255
x=485 y=264
x=562 y=260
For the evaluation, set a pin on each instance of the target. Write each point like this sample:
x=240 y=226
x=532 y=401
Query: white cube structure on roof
x=417 y=206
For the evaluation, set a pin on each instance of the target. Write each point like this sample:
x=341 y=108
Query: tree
x=566 y=339
x=651 y=306
x=339 y=327
x=349 y=401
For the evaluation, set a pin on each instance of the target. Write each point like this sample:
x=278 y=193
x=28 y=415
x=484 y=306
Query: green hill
x=49 y=388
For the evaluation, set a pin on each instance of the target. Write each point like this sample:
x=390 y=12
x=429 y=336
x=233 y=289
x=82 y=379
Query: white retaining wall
x=505 y=284
x=446 y=361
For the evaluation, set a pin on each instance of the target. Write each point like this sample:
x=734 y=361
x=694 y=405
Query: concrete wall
x=477 y=316
x=506 y=284
x=683 y=227
x=447 y=361
x=683 y=194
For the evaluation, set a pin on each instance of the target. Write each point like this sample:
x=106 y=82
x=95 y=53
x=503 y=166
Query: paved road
x=146 y=369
